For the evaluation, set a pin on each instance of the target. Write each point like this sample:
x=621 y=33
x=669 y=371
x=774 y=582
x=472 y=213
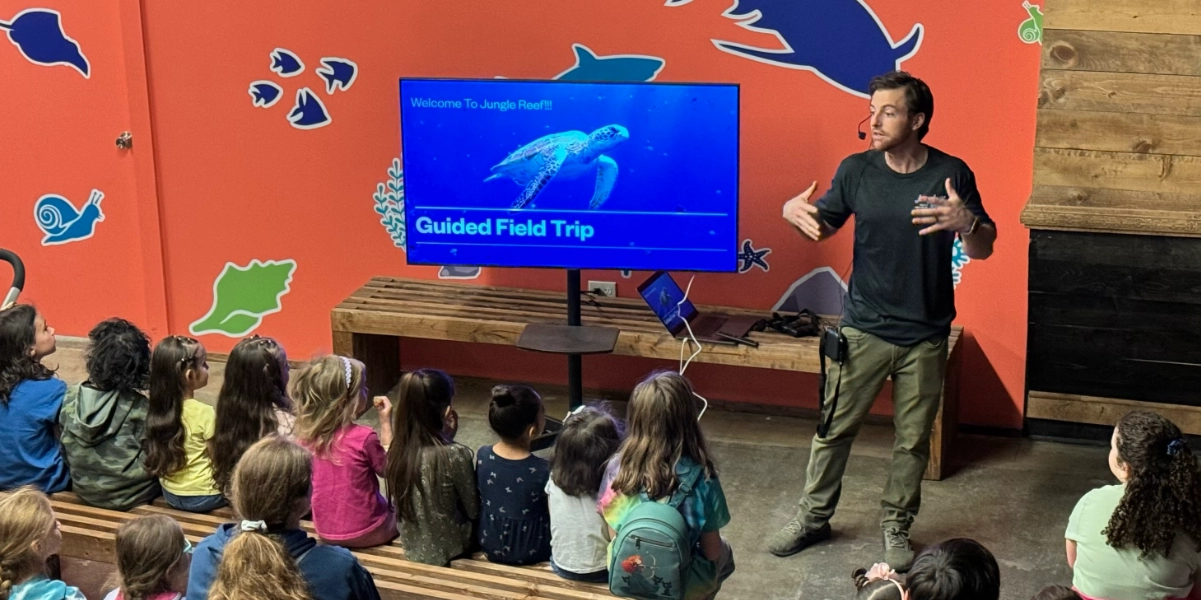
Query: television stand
x=572 y=339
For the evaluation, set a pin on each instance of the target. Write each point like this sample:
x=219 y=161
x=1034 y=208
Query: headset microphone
x=862 y=135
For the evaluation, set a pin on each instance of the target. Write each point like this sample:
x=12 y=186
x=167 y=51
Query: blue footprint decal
x=308 y=112
x=338 y=73
x=286 y=64
x=38 y=34
x=62 y=223
x=618 y=67
x=842 y=41
x=265 y=93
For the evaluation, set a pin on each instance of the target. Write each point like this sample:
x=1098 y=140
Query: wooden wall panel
x=1119 y=132
x=1121 y=52
x=1105 y=411
x=1120 y=92
x=1115 y=316
x=1118 y=170
x=1144 y=16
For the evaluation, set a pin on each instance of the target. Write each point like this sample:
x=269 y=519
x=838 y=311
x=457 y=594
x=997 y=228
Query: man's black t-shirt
x=901 y=287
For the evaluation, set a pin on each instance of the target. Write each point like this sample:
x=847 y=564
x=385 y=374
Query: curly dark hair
x=1163 y=493
x=119 y=357
x=17 y=337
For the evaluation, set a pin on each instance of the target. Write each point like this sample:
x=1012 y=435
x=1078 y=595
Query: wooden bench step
x=89 y=533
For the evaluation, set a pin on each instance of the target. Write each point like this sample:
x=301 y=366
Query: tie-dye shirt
x=704 y=510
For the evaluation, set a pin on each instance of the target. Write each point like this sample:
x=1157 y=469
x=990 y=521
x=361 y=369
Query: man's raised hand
x=944 y=214
x=803 y=215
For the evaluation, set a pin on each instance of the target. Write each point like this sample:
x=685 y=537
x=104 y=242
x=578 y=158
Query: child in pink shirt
x=348 y=509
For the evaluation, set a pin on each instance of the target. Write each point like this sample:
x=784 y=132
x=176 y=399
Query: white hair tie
x=259 y=526
x=346 y=370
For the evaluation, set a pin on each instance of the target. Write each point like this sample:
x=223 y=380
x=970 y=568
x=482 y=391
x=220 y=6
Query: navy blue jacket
x=333 y=573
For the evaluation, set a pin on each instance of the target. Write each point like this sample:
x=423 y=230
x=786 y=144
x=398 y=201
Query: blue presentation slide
x=574 y=175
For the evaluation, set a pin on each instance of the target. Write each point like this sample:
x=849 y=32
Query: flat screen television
x=573 y=175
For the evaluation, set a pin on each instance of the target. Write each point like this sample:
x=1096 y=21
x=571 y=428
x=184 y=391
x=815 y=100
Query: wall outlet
x=603 y=288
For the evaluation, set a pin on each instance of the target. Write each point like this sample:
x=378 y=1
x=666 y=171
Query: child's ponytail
x=255 y=565
x=1163 y=492
x=271 y=486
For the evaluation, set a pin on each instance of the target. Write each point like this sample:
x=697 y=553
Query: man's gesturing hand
x=803 y=215
x=945 y=214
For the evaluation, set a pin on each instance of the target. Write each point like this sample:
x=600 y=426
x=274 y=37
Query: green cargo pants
x=917 y=377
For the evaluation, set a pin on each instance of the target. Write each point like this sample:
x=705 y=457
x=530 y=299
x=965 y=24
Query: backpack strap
x=682 y=490
x=685 y=487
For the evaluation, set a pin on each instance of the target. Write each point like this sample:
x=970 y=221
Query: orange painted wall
x=59 y=132
x=237 y=183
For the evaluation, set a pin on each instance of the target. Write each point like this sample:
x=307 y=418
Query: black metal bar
x=575 y=366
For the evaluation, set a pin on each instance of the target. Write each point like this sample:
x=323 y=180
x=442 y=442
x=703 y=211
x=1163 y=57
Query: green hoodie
x=102 y=439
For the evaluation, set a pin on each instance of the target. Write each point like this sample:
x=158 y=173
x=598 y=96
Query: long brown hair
x=270 y=484
x=662 y=428
x=17 y=339
x=164 y=441
x=418 y=427
x=255 y=384
x=25 y=518
x=148 y=548
x=1163 y=494
x=327 y=393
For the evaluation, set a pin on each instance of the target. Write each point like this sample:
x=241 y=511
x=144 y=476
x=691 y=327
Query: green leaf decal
x=242 y=296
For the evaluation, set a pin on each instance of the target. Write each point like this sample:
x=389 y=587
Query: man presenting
x=910 y=201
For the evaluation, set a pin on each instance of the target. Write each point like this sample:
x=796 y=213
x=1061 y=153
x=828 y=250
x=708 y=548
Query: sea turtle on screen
x=567 y=155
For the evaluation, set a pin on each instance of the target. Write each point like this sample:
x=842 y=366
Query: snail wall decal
x=62 y=223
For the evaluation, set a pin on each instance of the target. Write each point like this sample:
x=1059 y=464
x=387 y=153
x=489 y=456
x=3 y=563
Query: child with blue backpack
x=663 y=500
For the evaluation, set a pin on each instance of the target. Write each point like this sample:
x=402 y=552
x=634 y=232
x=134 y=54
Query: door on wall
x=77 y=194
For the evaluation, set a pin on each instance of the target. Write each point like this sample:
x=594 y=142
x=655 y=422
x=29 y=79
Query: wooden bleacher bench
x=89 y=533
x=369 y=323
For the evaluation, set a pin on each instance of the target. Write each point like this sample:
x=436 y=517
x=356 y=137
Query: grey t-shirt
x=901 y=288
x=579 y=536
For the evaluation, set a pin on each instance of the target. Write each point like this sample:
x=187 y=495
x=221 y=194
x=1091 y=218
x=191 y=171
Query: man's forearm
x=978 y=244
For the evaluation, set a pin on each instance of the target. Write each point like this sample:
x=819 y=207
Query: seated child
x=29 y=534
x=665 y=452
x=253 y=402
x=878 y=583
x=267 y=554
x=579 y=537
x=104 y=420
x=514 y=516
x=958 y=569
x=348 y=510
x=30 y=400
x=1141 y=538
x=178 y=427
x=153 y=559
x=431 y=479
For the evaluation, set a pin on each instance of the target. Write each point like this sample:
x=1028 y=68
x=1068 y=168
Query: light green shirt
x=1107 y=573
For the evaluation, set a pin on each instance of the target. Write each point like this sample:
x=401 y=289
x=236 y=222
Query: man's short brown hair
x=918 y=98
